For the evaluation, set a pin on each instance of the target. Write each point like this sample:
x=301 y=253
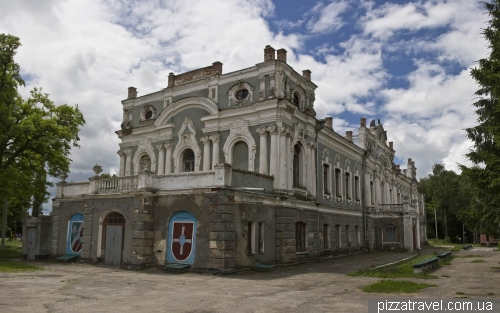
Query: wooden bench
x=425 y=265
x=445 y=255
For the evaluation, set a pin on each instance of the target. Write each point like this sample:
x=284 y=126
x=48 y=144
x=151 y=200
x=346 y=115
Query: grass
x=472 y=256
x=495 y=267
x=10 y=259
x=460 y=293
x=478 y=261
x=442 y=242
x=401 y=269
x=490 y=294
x=395 y=286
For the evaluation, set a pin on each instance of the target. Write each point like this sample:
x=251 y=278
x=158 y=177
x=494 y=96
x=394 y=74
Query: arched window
x=300 y=236
x=240 y=155
x=188 y=160
x=296 y=99
x=297 y=166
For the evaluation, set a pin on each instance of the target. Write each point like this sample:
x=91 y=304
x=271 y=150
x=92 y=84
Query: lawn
x=400 y=269
x=11 y=259
x=395 y=286
x=450 y=246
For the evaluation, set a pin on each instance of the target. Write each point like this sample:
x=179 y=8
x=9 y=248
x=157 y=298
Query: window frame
x=393 y=233
x=300 y=237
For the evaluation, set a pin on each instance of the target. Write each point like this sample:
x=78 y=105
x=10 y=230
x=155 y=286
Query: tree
x=36 y=136
x=443 y=199
x=485 y=136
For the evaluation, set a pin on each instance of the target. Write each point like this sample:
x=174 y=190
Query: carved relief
x=326 y=155
x=144 y=147
x=232 y=97
x=187 y=139
x=239 y=132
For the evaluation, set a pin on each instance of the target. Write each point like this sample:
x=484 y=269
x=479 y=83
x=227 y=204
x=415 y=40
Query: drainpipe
x=363 y=202
x=319 y=126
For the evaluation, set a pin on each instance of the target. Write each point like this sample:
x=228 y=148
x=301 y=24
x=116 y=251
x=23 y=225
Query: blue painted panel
x=75 y=232
x=181 y=243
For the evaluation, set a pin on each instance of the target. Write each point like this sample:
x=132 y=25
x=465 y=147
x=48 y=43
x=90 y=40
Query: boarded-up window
x=240 y=156
x=261 y=237
x=391 y=234
x=300 y=236
x=326 y=236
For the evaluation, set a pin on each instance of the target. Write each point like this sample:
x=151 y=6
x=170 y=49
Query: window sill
x=302 y=252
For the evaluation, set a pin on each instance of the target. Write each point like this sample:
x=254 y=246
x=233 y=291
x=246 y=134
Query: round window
x=241 y=94
x=148 y=115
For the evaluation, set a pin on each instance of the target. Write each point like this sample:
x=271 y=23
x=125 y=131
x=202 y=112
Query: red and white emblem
x=182 y=240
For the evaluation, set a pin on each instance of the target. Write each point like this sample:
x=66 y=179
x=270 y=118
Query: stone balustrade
x=221 y=176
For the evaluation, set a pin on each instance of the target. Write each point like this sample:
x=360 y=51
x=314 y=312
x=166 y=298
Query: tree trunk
x=4 y=223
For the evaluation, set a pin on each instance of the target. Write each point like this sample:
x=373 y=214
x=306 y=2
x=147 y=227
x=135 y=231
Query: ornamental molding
x=144 y=148
x=144 y=110
x=239 y=132
x=187 y=139
x=231 y=95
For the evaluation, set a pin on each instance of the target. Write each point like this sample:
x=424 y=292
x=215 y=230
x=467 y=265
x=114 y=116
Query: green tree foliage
x=443 y=197
x=36 y=135
x=486 y=134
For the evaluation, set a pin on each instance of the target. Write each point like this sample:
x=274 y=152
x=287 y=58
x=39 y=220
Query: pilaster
x=206 y=152
x=215 y=153
x=263 y=167
x=161 y=158
x=168 y=158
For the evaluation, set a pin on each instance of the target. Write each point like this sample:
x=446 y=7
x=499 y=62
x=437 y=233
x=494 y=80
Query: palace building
x=224 y=171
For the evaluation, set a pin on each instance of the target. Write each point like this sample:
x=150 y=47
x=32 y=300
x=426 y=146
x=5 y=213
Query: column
x=367 y=193
x=215 y=138
x=418 y=232
x=206 y=153
x=283 y=158
x=128 y=162
x=122 y=162
x=310 y=168
x=168 y=157
x=161 y=158
x=274 y=163
x=263 y=168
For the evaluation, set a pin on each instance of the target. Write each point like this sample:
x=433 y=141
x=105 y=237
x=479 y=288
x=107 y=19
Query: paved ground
x=313 y=287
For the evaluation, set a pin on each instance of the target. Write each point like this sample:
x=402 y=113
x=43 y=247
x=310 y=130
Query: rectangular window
x=372 y=195
x=326 y=187
x=251 y=238
x=348 y=235
x=358 y=235
x=399 y=198
x=339 y=236
x=261 y=237
x=337 y=183
x=213 y=93
x=390 y=195
x=326 y=236
x=300 y=237
x=348 y=185
x=356 y=188
x=391 y=234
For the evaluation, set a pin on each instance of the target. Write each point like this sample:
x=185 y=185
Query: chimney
x=378 y=121
x=391 y=145
x=363 y=122
x=398 y=169
x=217 y=67
x=269 y=53
x=409 y=161
x=132 y=93
x=328 y=122
x=306 y=74
x=281 y=55
x=348 y=135
x=171 y=79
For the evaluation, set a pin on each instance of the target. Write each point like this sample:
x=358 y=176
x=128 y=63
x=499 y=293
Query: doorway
x=114 y=228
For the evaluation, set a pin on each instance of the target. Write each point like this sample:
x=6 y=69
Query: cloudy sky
x=405 y=62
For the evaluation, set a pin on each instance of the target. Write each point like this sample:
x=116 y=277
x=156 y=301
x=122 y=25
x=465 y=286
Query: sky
x=406 y=63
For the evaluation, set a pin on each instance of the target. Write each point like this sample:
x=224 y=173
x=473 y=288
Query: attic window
x=241 y=94
x=148 y=115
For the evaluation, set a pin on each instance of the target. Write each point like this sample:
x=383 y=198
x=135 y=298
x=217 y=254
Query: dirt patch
x=314 y=287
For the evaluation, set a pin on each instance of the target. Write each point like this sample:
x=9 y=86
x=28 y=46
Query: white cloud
x=326 y=18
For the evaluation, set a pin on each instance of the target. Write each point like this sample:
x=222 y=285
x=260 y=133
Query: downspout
x=363 y=202
x=319 y=126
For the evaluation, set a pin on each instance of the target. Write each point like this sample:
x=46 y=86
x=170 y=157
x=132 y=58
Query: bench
x=445 y=255
x=425 y=265
x=467 y=247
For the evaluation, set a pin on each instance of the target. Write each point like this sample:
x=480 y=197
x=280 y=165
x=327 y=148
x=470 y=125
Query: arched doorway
x=112 y=238
x=181 y=244
x=75 y=232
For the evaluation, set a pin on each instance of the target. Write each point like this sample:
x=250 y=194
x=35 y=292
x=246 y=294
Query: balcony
x=222 y=176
